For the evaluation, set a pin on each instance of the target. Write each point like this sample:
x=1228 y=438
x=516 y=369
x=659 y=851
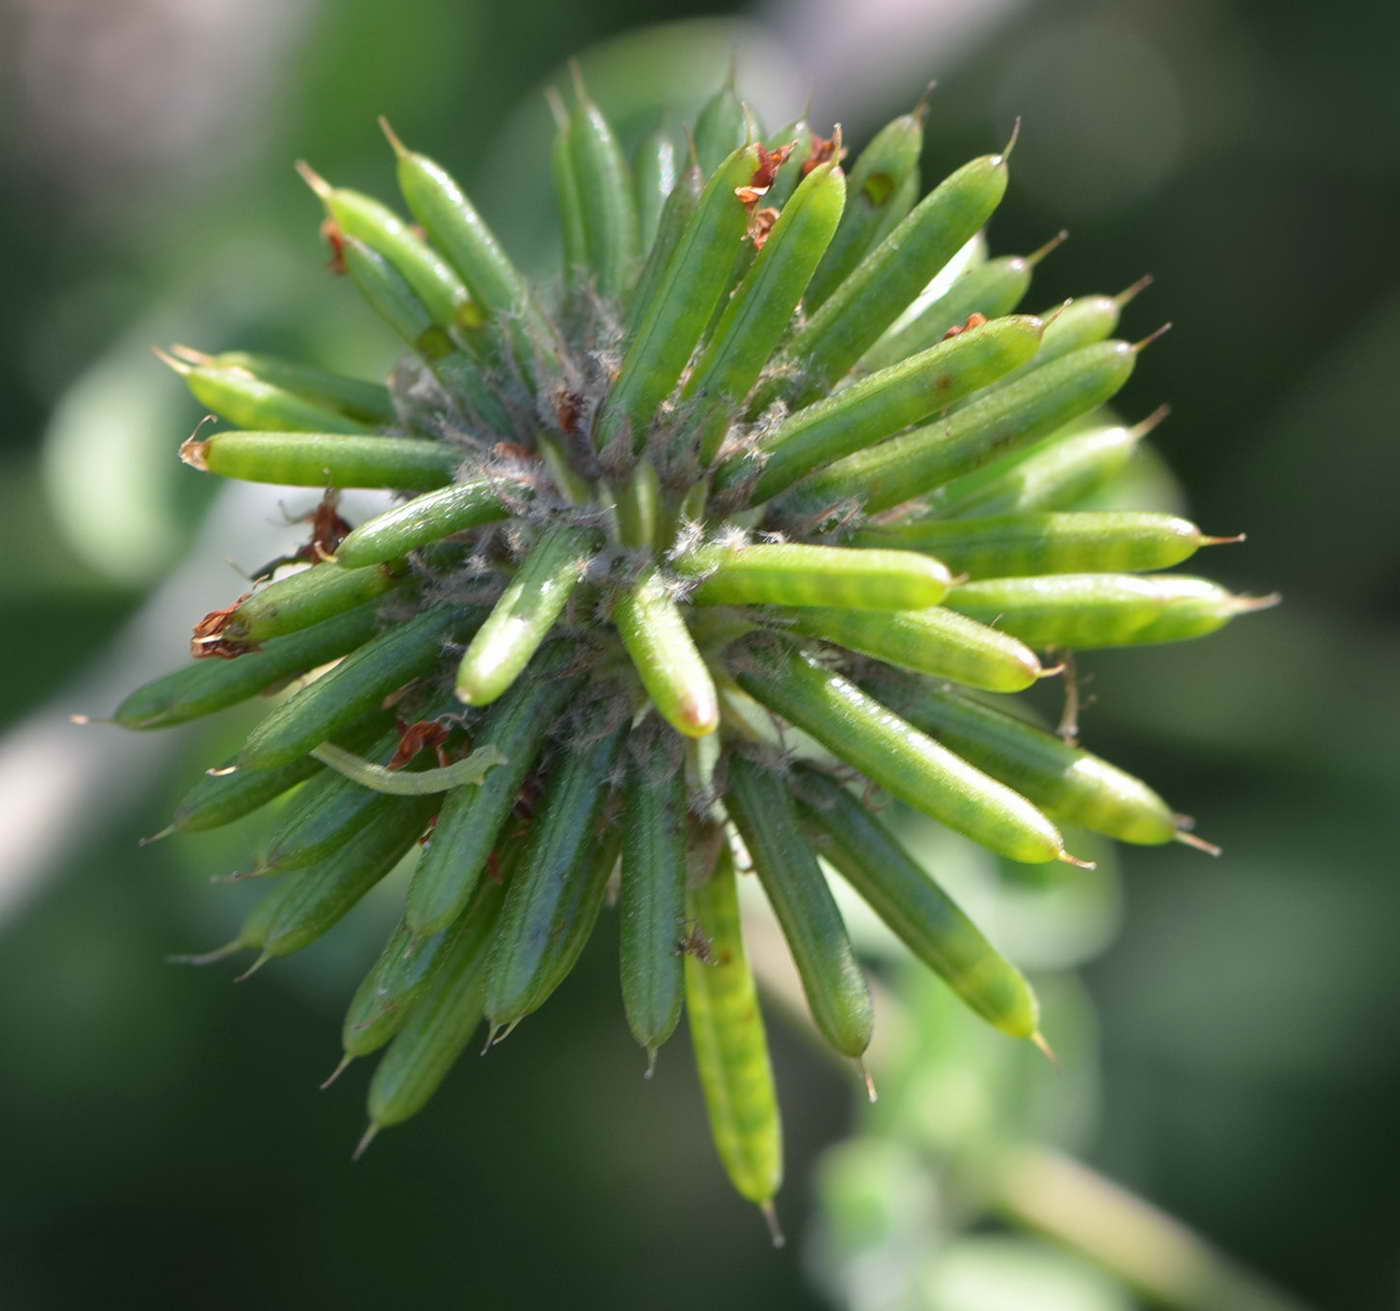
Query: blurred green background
x=1236 y=1058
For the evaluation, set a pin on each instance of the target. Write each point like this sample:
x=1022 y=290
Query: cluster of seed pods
x=689 y=559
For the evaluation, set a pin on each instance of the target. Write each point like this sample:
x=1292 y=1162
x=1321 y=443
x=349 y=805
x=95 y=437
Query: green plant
x=666 y=571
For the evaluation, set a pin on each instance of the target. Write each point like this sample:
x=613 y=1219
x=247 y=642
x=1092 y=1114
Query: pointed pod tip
x=314 y=180
x=1011 y=141
x=189 y=354
x=181 y=367
x=1065 y=858
x=1044 y=1047
x=369 y=1136
x=208 y=957
x=920 y=111
x=1153 y=420
x=338 y=1071
x=1248 y=604
x=254 y=967
x=770 y=1217
x=156 y=837
x=392 y=137
x=1189 y=839
x=868 y=1081
x=1054 y=243
x=1133 y=290
x=195 y=452
x=651 y=1063
x=1222 y=541
x=557 y=108
x=1139 y=346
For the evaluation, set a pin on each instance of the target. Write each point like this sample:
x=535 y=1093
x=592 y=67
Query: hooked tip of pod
x=1065 y=858
x=770 y=1217
x=314 y=180
x=1139 y=346
x=1248 y=604
x=1054 y=243
x=254 y=967
x=368 y=1137
x=1153 y=420
x=194 y=452
x=1010 y=141
x=1134 y=290
x=392 y=137
x=867 y=1080
x=920 y=111
x=1189 y=839
x=1044 y=1047
x=156 y=837
x=208 y=957
x=181 y=367
x=337 y=1072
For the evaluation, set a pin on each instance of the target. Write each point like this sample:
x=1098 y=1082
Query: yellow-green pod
x=731 y=1048
x=249 y=402
x=1065 y=781
x=799 y=575
x=928 y=921
x=426 y=519
x=935 y=641
x=1006 y=546
x=306 y=598
x=666 y=659
x=369 y=402
x=315 y=459
x=655 y=170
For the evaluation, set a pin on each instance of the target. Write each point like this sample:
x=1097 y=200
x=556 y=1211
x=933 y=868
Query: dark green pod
x=653 y=897
x=355 y=687
x=424 y=520
x=837 y=995
x=369 y=402
x=1067 y=782
x=209 y=685
x=675 y=219
x=391 y=297
x=306 y=459
x=606 y=202
x=720 y=127
x=308 y=597
x=918 y=911
x=471 y=819
x=654 y=174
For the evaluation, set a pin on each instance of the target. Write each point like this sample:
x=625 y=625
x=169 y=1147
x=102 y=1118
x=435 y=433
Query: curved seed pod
x=355 y=687
x=876 y=407
x=721 y=126
x=897 y=757
x=471 y=820
x=1009 y=416
x=1067 y=782
x=762 y=810
x=1055 y=474
x=991 y=289
x=1005 y=546
x=522 y=618
x=919 y=912
x=323 y=894
x=654 y=175
x=759 y=314
x=653 y=898
x=308 y=597
x=672 y=670
x=369 y=402
x=1084 y=611
x=935 y=641
x=469 y=246
x=431 y=277
x=668 y=324
x=389 y=295
x=606 y=202
x=877 y=176
x=814 y=575
x=557 y=864
x=424 y=520
x=208 y=685
x=857 y=313
x=306 y=459
x=439 y=1024
x=675 y=219
x=731 y=1049
x=248 y=402
x=221 y=797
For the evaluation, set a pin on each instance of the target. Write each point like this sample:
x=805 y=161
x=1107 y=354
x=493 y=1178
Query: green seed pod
x=674 y=673
x=936 y=641
x=557 y=862
x=653 y=902
x=1084 y=611
x=991 y=289
x=721 y=127
x=522 y=618
x=440 y=1022
x=369 y=402
x=306 y=598
x=561 y=164
x=891 y=157
x=814 y=575
x=324 y=894
x=876 y=407
x=248 y=402
x=354 y=688
x=210 y=685
x=425 y=520
x=731 y=1049
x=578 y=914
x=919 y=912
x=759 y=314
x=675 y=219
x=654 y=174
x=433 y=281
x=391 y=297
x=1055 y=474
x=1009 y=416
x=1067 y=782
x=306 y=459
x=1005 y=546
x=897 y=757
x=606 y=202
x=837 y=995
x=669 y=323
x=856 y=315
x=472 y=817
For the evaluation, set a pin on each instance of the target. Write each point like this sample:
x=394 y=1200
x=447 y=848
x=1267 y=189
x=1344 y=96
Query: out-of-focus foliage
x=167 y=1126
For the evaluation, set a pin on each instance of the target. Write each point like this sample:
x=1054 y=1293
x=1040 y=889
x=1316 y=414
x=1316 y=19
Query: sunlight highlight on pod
x=735 y=534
